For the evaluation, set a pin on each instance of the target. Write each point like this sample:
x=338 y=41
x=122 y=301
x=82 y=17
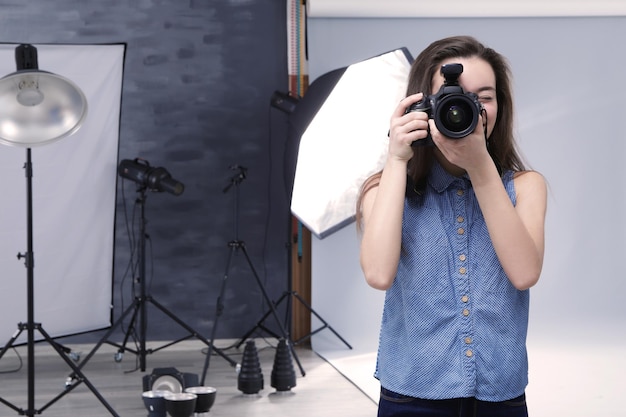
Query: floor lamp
x=37 y=108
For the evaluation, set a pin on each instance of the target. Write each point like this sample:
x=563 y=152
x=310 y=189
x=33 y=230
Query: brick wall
x=198 y=78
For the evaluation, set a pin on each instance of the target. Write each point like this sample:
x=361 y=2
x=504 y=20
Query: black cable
x=19 y=367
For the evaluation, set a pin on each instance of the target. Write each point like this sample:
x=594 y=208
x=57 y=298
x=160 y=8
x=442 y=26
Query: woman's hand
x=405 y=128
x=467 y=153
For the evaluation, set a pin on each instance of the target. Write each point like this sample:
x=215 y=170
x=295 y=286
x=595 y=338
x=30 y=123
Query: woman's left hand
x=466 y=153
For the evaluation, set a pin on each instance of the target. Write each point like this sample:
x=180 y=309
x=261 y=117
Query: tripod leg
x=190 y=330
x=131 y=326
x=219 y=309
x=288 y=310
x=259 y=323
x=77 y=371
x=273 y=309
x=12 y=340
x=109 y=332
x=6 y=347
x=8 y=404
x=325 y=324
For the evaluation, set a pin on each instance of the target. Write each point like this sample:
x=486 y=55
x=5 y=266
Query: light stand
x=26 y=99
x=155 y=179
x=300 y=112
x=235 y=246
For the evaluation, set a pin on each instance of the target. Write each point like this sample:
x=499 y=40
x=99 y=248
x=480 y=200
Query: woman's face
x=478 y=78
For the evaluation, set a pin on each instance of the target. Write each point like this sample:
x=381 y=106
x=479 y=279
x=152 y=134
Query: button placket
x=466 y=332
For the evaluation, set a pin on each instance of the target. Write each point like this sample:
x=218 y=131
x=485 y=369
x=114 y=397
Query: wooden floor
x=323 y=391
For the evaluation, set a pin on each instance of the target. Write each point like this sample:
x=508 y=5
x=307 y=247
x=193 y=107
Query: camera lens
x=456 y=116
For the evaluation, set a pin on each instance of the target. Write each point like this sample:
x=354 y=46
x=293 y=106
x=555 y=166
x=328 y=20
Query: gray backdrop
x=569 y=90
x=197 y=83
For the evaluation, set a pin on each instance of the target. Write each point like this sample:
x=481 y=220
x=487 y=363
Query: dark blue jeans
x=395 y=405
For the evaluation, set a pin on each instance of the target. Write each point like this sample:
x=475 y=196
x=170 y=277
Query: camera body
x=454 y=111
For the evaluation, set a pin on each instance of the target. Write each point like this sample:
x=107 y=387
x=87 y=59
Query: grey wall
x=198 y=78
x=569 y=89
x=567 y=79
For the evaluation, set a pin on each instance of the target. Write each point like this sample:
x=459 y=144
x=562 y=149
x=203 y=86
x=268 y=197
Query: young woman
x=454 y=233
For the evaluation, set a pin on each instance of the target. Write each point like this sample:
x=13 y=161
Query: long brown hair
x=502 y=146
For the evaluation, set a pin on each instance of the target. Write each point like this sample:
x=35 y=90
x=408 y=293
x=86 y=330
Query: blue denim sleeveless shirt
x=453 y=325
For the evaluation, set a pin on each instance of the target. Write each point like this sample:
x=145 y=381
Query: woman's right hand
x=406 y=128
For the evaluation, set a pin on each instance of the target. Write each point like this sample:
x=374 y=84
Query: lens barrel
x=456 y=115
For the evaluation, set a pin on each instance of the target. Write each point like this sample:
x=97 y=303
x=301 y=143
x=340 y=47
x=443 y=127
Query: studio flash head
x=152 y=178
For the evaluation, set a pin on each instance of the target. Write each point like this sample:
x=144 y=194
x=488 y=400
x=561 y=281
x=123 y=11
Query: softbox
x=345 y=139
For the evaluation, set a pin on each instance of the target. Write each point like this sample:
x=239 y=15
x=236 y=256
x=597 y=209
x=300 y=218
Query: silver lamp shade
x=39 y=107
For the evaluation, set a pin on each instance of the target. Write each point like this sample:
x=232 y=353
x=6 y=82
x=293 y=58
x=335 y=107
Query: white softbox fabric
x=74 y=188
x=346 y=141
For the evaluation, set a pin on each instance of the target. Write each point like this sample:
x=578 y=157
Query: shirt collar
x=440 y=179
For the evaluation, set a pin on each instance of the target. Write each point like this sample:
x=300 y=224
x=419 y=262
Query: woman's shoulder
x=531 y=176
x=529 y=181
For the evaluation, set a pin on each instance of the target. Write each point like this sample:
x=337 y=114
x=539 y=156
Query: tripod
x=138 y=308
x=31 y=326
x=235 y=246
x=288 y=296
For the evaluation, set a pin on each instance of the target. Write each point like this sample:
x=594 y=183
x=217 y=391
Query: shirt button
x=469 y=353
x=468 y=340
x=459 y=192
x=461 y=231
x=465 y=298
x=462 y=257
x=466 y=312
x=462 y=270
x=460 y=219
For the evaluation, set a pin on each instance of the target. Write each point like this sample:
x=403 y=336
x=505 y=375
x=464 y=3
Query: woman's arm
x=382 y=226
x=383 y=205
x=517 y=232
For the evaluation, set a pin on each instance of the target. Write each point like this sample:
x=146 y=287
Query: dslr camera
x=455 y=112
